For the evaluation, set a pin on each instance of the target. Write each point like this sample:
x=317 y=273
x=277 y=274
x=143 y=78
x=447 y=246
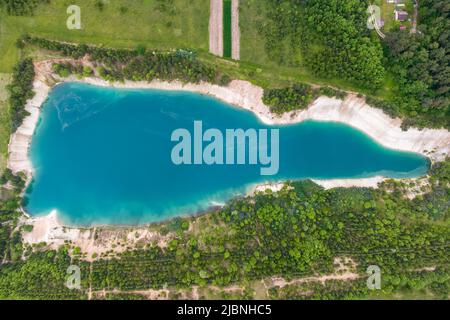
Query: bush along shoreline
x=297 y=97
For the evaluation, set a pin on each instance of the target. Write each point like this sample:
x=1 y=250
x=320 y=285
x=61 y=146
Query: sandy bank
x=327 y=184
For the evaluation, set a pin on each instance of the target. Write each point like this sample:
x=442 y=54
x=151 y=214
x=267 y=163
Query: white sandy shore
x=91 y=241
x=352 y=111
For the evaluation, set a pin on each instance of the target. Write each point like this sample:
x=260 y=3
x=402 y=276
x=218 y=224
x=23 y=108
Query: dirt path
x=216 y=28
x=235 y=32
x=415 y=15
x=90 y=282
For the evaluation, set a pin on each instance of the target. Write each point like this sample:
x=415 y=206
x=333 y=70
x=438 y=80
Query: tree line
x=20 y=90
x=139 y=64
x=21 y=7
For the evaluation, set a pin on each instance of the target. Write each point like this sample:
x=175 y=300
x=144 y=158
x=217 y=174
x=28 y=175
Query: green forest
x=421 y=66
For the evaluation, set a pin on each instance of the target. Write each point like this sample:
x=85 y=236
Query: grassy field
x=422 y=294
x=4 y=120
x=162 y=24
x=251 y=17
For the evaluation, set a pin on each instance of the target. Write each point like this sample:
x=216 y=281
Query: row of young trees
x=336 y=42
x=20 y=90
x=138 y=64
x=436 y=283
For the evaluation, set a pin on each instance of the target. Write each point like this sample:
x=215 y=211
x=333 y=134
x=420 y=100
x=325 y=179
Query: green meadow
x=161 y=24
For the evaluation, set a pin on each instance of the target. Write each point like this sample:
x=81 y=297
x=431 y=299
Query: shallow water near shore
x=103 y=155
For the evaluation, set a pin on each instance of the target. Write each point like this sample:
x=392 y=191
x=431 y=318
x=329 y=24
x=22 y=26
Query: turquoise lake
x=103 y=155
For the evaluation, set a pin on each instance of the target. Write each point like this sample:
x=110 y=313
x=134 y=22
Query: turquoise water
x=103 y=155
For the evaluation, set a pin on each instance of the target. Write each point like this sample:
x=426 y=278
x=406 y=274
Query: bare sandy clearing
x=94 y=241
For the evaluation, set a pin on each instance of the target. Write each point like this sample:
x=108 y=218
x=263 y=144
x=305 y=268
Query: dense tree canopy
x=329 y=37
x=337 y=43
x=138 y=64
x=21 y=7
x=421 y=65
x=20 y=90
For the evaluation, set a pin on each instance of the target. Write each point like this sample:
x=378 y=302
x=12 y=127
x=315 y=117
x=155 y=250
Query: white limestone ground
x=352 y=111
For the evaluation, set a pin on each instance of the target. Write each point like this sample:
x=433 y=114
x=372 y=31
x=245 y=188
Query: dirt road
x=216 y=28
x=235 y=32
